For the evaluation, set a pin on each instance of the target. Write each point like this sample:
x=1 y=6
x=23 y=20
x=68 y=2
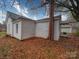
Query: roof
x=47 y=19
x=68 y=21
x=18 y=17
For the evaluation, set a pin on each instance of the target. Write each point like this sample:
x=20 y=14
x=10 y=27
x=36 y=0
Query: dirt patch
x=33 y=48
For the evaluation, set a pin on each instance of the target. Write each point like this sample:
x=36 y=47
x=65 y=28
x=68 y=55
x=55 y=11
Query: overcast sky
x=23 y=9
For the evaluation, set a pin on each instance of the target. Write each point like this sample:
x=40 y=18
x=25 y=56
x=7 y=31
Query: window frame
x=16 y=28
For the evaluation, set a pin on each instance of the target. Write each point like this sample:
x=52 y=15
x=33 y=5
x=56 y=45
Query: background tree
x=71 y=5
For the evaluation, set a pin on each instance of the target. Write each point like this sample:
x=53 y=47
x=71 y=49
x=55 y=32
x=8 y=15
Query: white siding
x=9 y=26
x=67 y=30
x=28 y=29
x=42 y=29
x=56 y=29
x=75 y=27
x=15 y=34
x=67 y=25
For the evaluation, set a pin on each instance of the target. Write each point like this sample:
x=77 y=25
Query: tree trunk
x=51 y=23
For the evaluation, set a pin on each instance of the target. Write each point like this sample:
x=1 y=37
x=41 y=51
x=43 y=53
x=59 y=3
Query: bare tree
x=71 y=5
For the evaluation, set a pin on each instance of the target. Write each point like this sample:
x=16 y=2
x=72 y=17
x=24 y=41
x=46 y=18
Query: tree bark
x=51 y=23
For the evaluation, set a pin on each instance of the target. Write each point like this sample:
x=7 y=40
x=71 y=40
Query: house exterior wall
x=9 y=26
x=70 y=27
x=56 y=29
x=19 y=33
x=42 y=29
x=75 y=27
x=66 y=25
x=28 y=29
x=66 y=29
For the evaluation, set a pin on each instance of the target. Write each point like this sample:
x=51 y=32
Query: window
x=16 y=28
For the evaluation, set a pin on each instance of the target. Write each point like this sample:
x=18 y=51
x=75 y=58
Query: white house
x=69 y=26
x=21 y=27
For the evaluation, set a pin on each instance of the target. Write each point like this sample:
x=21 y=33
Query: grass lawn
x=34 y=48
x=2 y=34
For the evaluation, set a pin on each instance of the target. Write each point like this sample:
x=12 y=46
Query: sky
x=24 y=9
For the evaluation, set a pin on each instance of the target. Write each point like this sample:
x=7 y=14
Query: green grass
x=77 y=33
x=2 y=34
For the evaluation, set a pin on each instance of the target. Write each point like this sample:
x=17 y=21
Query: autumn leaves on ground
x=11 y=48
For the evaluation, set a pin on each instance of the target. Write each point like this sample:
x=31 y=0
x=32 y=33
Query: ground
x=34 y=48
x=2 y=34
